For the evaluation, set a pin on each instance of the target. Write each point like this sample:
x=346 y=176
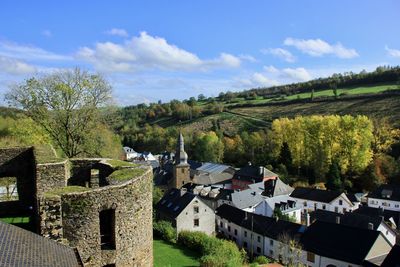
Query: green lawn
x=169 y=255
x=15 y=219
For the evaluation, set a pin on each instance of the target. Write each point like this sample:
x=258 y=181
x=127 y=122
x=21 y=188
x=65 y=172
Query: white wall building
x=386 y=197
x=284 y=203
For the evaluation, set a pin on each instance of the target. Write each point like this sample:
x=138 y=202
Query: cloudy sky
x=163 y=50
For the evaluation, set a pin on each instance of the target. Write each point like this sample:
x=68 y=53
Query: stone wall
x=50 y=217
x=133 y=222
x=51 y=175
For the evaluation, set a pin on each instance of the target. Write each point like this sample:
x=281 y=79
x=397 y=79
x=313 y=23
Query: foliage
x=66 y=105
x=126 y=174
x=261 y=260
x=315 y=141
x=164 y=230
x=215 y=252
x=157 y=195
x=334 y=181
x=209 y=147
x=289 y=250
x=21 y=130
x=278 y=214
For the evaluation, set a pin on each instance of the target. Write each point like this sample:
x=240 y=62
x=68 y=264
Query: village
x=255 y=209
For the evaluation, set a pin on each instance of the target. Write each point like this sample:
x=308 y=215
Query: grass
x=115 y=163
x=170 y=255
x=66 y=190
x=15 y=220
x=46 y=154
x=125 y=174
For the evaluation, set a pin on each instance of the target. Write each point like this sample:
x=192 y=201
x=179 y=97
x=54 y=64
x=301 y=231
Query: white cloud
x=26 y=52
x=263 y=80
x=271 y=69
x=249 y=58
x=318 y=47
x=146 y=51
x=47 y=33
x=297 y=74
x=280 y=53
x=15 y=67
x=392 y=52
x=117 y=32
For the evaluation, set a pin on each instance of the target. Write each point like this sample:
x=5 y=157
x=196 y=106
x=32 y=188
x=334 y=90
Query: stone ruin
x=101 y=207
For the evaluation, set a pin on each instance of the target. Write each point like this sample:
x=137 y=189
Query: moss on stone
x=126 y=174
x=65 y=190
x=45 y=154
x=116 y=164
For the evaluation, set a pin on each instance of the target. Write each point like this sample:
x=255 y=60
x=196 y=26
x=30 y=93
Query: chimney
x=261 y=170
x=337 y=219
x=370 y=226
x=183 y=191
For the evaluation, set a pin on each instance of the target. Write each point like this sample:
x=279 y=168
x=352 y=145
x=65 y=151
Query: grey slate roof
x=253 y=173
x=262 y=225
x=173 y=203
x=388 y=215
x=19 y=247
x=339 y=241
x=275 y=187
x=386 y=191
x=313 y=194
x=246 y=198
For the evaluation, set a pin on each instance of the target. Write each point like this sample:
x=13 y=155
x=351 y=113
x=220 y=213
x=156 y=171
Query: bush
x=215 y=252
x=261 y=260
x=165 y=231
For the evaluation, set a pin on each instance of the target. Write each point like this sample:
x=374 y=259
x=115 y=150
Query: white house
x=186 y=211
x=357 y=220
x=330 y=245
x=386 y=197
x=130 y=153
x=311 y=199
x=284 y=203
x=322 y=244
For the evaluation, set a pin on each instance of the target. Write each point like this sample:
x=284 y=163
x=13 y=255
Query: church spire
x=180 y=156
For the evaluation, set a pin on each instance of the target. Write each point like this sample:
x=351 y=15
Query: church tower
x=181 y=172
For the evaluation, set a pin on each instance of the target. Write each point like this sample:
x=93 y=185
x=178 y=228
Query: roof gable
x=173 y=202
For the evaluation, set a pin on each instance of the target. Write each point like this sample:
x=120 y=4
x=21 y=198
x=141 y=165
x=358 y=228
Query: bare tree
x=289 y=251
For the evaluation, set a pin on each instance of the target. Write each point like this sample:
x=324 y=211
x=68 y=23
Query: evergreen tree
x=334 y=181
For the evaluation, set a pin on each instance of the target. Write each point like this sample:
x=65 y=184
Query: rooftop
x=314 y=194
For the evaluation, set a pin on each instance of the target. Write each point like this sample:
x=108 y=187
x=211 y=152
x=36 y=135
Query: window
x=221 y=224
x=196 y=222
x=229 y=228
x=396 y=205
x=196 y=210
x=245 y=233
x=344 y=210
x=235 y=232
x=305 y=203
x=245 y=244
x=336 y=209
x=324 y=207
x=107 y=229
x=258 y=250
x=271 y=242
x=258 y=239
x=271 y=253
x=315 y=206
x=340 y=202
x=182 y=170
x=310 y=257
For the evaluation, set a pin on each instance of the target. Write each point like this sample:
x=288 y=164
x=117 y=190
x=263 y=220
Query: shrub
x=215 y=252
x=261 y=260
x=165 y=231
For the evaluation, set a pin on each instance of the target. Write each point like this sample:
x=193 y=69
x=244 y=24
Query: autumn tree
x=66 y=105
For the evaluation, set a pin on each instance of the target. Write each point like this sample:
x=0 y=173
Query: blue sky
x=163 y=50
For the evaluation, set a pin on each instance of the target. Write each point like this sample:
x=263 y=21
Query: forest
x=349 y=152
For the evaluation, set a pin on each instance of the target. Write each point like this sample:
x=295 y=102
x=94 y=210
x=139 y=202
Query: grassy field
x=372 y=107
x=168 y=255
x=329 y=92
x=15 y=220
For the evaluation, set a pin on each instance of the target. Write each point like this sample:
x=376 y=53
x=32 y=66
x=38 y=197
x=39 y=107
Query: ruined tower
x=181 y=173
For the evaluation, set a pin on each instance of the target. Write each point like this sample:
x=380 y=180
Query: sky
x=164 y=50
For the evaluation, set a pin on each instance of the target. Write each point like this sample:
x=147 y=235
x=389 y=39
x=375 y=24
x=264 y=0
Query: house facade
x=284 y=203
x=186 y=211
x=385 y=197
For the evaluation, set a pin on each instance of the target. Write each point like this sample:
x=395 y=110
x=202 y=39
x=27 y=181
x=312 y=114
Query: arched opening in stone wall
x=107 y=229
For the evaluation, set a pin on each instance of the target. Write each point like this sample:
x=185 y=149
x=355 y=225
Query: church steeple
x=181 y=172
x=181 y=156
